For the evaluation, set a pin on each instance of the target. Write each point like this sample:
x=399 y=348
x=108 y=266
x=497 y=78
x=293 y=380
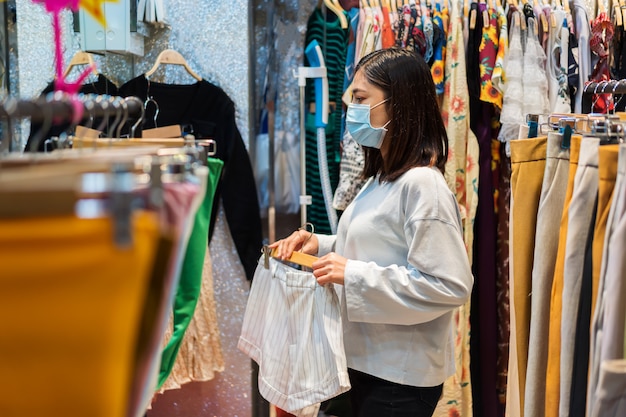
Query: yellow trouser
x=528 y=160
x=70 y=307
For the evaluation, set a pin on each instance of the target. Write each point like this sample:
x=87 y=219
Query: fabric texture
x=528 y=160
x=607 y=174
x=608 y=320
x=612 y=384
x=200 y=354
x=557 y=280
x=565 y=291
x=72 y=334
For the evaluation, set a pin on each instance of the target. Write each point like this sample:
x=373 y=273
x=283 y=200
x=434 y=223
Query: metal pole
x=303 y=202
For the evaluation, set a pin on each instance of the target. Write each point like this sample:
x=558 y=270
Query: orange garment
x=553 y=373
x=388 y=37
x=71 y=302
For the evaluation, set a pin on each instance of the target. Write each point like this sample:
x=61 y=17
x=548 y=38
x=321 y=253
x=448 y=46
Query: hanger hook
x=46 y=110
x=10 y=106
x=621 y=96
x=115 y=102
x=88 y=102
x=105 y=108
x=139 y=119
x=156 y=108
x=124 y=106
x=596 y=96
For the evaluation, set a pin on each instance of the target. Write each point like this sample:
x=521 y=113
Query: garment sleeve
x=238 y=193
x=325 y=244
x=435 y=279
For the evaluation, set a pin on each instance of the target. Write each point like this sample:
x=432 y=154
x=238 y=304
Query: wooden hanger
x=116 y=143
x=298 y=258
x=81 y=58
x=172 y=57
x=335 y=7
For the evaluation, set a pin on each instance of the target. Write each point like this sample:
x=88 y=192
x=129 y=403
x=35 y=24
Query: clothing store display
x=607 y=173
x=608 y=317
x=562 y=327
x=190 y=282
x=180 y=201
x=549 y=213
x=528 y=160
x=204 y=110
x=131 y=312
x=37 y=140
x=296 y=338
x=461 y=176
x=557 y=282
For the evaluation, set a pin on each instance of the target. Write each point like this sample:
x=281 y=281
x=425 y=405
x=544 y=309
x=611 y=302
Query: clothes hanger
x=172 y=57
x=335 y=7
x=81 y=58
x=297 y=258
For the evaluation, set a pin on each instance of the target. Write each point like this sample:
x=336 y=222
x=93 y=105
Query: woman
x=398 y=260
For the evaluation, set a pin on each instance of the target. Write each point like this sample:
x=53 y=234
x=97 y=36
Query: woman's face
x=363 y=92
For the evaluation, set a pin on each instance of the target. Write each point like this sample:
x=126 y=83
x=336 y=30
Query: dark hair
x=416 y=129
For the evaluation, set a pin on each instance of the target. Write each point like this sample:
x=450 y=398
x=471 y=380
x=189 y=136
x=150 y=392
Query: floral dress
x=462 y=178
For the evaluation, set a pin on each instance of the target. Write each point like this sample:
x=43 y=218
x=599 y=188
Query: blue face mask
x=360 y=128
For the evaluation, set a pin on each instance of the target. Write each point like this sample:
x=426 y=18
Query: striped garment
x=292 y=329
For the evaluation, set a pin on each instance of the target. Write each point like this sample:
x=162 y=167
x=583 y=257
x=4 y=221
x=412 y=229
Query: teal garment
x=333 y=40
x=190 y=281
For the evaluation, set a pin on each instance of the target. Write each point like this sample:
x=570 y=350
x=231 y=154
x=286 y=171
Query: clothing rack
x=606 y=87
x=62 y=107
x=612 y=87
x=79 y=109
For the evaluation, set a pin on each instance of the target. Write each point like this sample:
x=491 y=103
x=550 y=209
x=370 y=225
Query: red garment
x=601 y=37
x=282 y=413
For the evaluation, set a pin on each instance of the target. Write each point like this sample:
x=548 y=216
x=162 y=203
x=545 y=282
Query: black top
x=206 y=111
x=101 y=86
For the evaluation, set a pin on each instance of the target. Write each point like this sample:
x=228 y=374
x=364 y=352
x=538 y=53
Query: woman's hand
x=300 y=240
x=330 y=269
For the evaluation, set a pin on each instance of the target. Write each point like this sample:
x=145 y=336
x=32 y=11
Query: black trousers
x=375 y=397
